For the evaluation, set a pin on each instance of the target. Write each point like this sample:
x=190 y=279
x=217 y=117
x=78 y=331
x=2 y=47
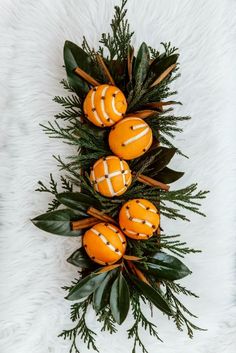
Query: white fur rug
x=33 y=266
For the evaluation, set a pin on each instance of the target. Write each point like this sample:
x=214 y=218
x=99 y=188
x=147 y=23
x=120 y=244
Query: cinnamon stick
x=142 y=113
x=137 y=272
x=159 y=104
x=152 y=182
x=84 y=223
x=100 y=215
x=105 y=69
x=86 y=76
x=163 y=75
x=130 y=62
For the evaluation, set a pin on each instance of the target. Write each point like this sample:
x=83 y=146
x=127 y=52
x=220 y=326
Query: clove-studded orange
x=104 y=105
x=130 y=138
x=139 y=219
x=104 y=243
x=111 y=176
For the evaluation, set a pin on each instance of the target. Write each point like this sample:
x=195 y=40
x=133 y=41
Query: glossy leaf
x=168 y=176
x=102 y=293
x=86 y=286
x=141 y=66
x=165 y=266
x=74 y=57
x=77 y=201
x=155 y=296
x=58 y=222
x=160 y=64
x=80 y=258
x=155 y=159
x=119 y=299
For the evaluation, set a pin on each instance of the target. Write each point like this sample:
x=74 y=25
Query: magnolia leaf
x=141 y=66
x=86 y=286
x=102 y=294
x=80 y=258
x=154 y=160
x=58 y=222
x=77 y=201
x=155 y=296
x=74 y=57
x=168 y=176
x=164 y=266
x=119 y=299
x=161 y=64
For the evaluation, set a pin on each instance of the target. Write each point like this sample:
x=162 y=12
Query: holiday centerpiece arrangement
x=115 y=189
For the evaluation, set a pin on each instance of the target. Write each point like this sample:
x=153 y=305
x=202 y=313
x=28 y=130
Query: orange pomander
x=105 y=105
x=111 y=176
x=139 y=219
x=104 y=243
x=130 y=138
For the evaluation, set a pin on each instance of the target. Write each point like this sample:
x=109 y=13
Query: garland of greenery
x=148 y=273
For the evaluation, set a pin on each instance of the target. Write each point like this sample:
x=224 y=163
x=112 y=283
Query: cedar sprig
x=118 y=41
x=81 y=329
x=107 y=321
x=176 y=246
x=180 y=311
x=140 y=320
x=51 y=189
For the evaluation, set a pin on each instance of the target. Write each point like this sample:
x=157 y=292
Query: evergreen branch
x=70 y=115
x=78 y=313
x=69 y=102
x=67 y=86
x=119 y=40
x=66 y=184
x=65 y=133
x=176 y=246
x=52 y=189
x=180 y=318
x=140 y=319
x=106 y=318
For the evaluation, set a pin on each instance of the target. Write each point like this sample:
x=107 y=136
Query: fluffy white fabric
x=33 y=266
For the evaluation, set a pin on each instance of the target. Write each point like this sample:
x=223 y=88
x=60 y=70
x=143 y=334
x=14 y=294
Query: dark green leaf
x=155 y=296
x=158 y=157
x=80 y=258
x=119 y=299
x=164 y=266
x=160 y=64
x=77 y=201
x=141 y=66
x=86 y=286
x=74 y=57
x=167 y=175
x=58 y=222
x=102 y=293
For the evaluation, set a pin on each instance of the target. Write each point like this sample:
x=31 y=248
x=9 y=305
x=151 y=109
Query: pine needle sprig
x=78 y=313
x=67 y=86
x=176 y=246
x=69 y=102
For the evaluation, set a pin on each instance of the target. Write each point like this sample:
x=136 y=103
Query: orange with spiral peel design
x=110 y=176
x=104 y=243
x=104 y=105
x=130 y=138
x=139 y=219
